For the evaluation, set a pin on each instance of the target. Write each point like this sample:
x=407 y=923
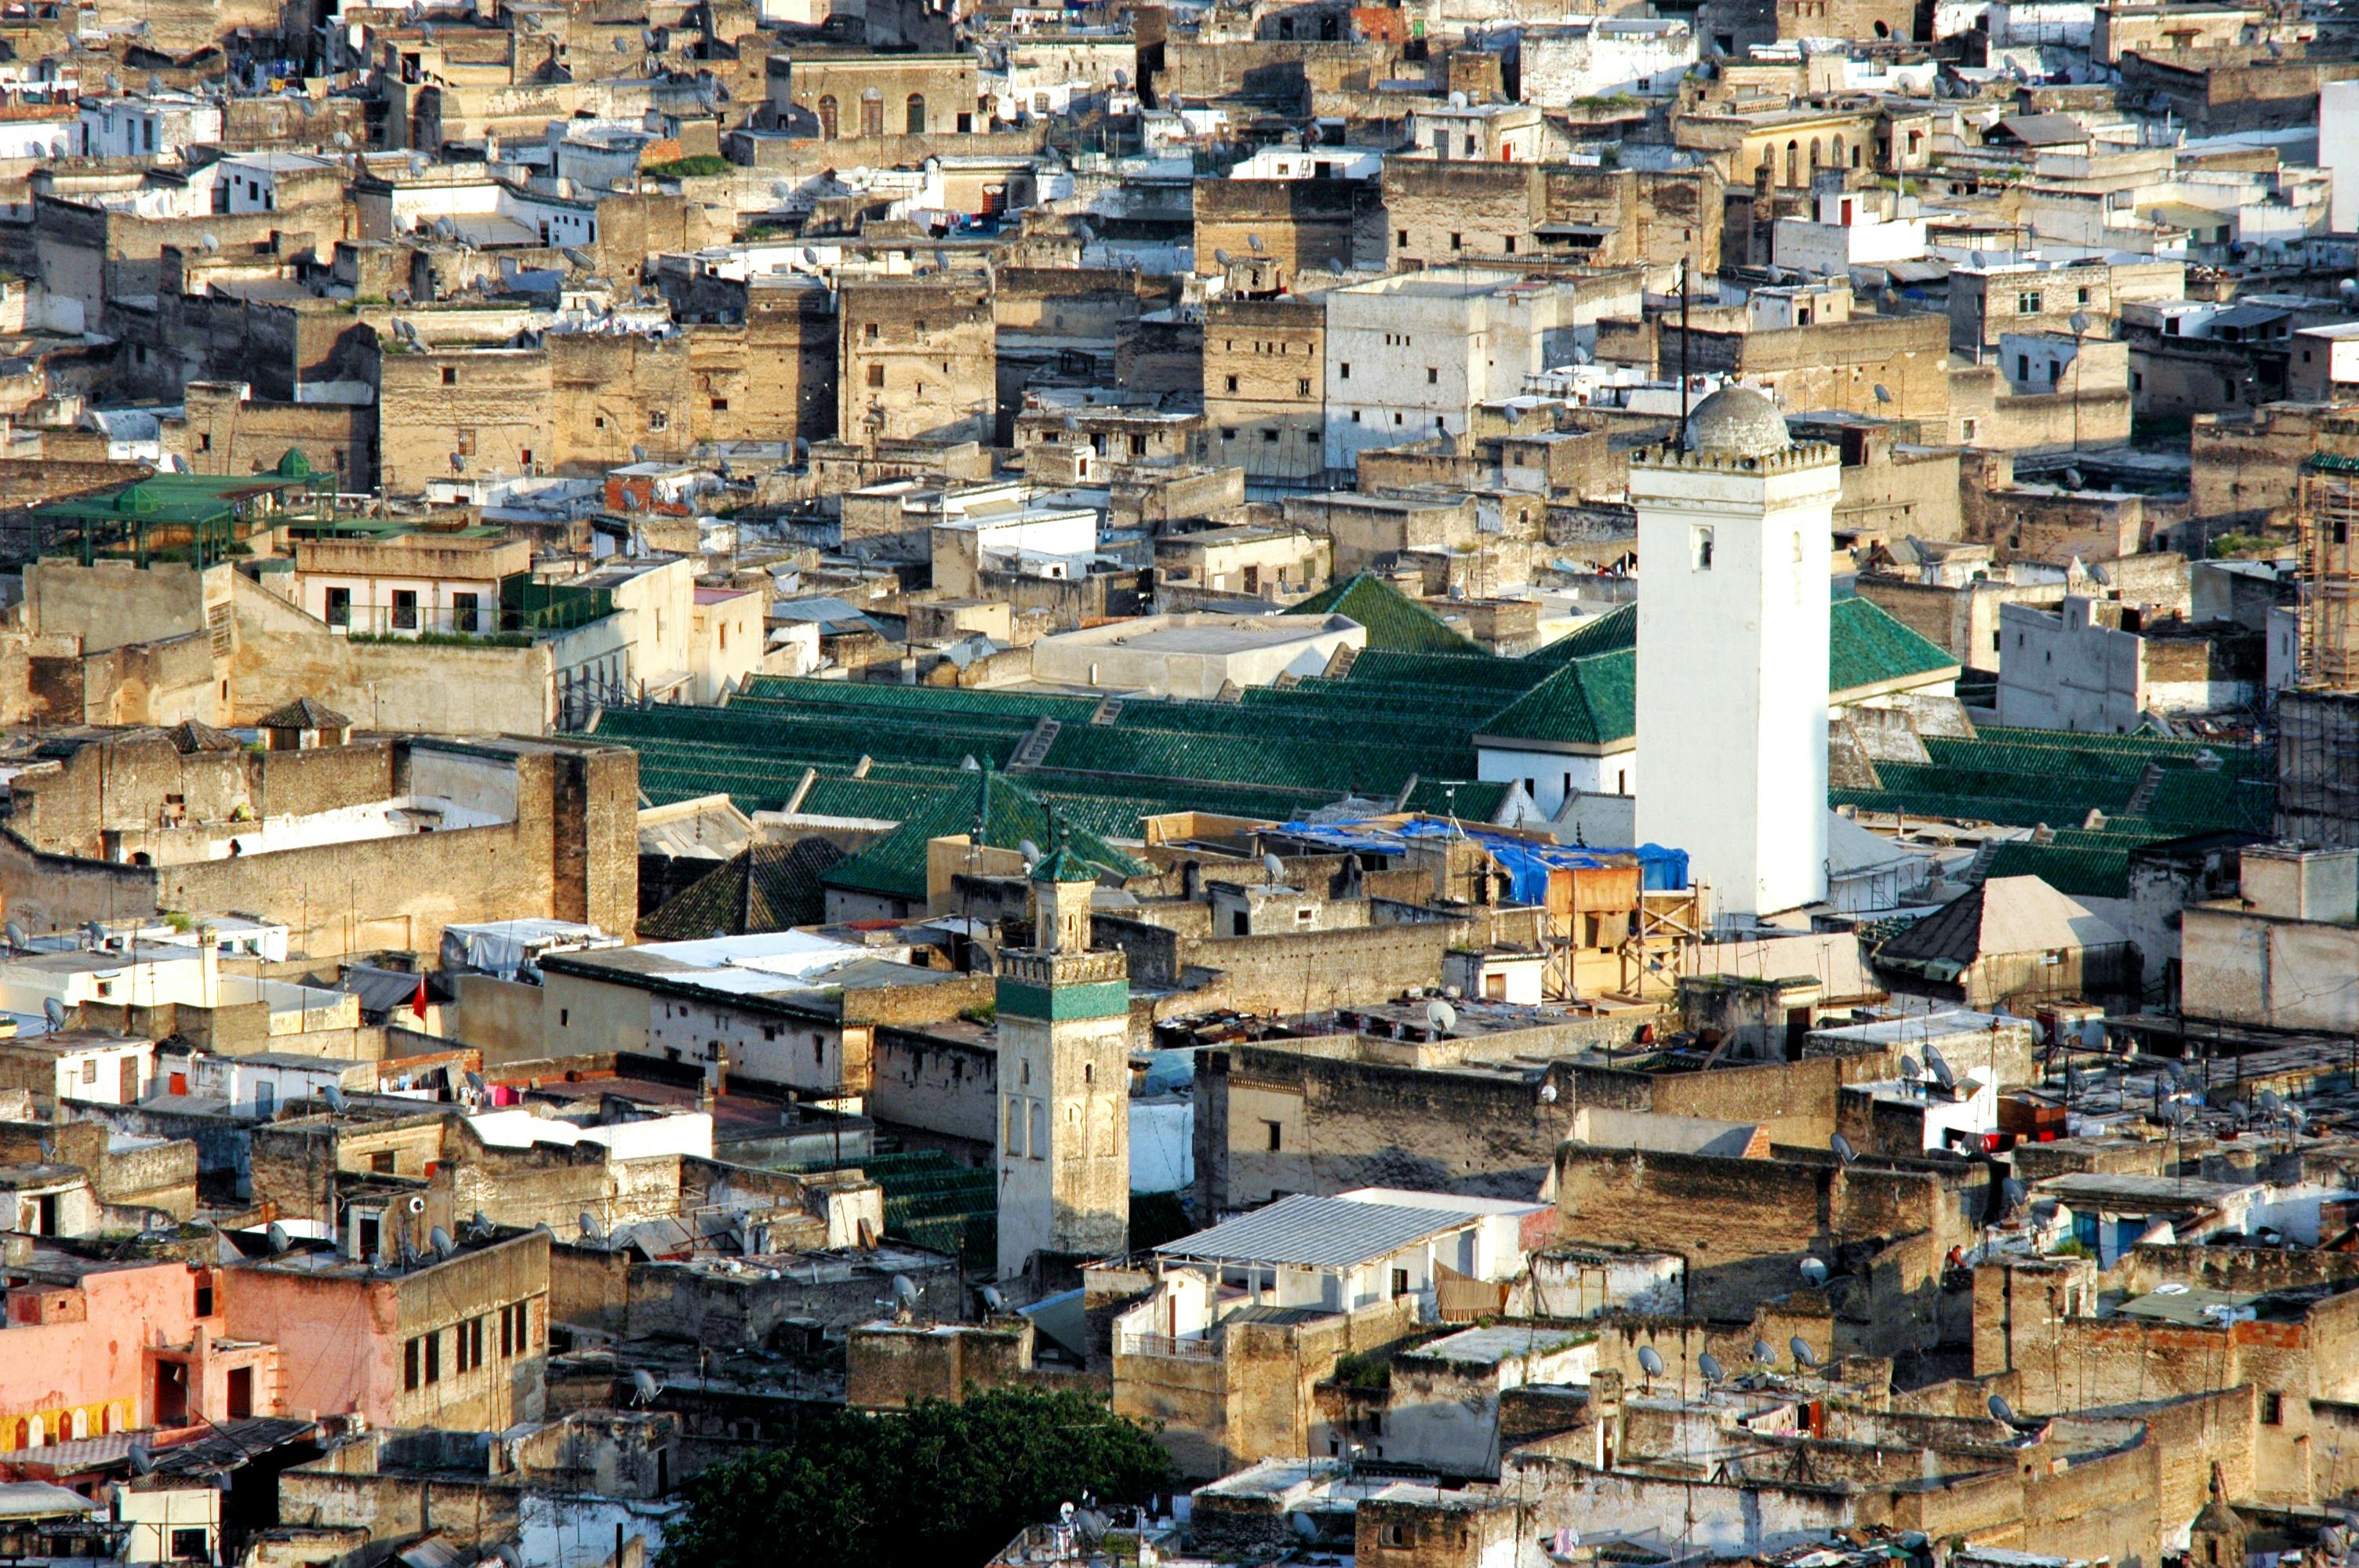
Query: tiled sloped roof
x=766 y=887
x=1867 y=647
x=895 y=864
x=1393 y=619
x=1864 y=645
x=1615 y=629
x=1591 y=701
x=2081 y=871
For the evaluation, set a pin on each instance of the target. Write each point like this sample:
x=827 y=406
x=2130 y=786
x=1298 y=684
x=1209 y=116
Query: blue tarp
x=1527 y=861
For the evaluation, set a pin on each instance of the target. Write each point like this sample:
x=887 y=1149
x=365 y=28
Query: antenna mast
x=1685 y=385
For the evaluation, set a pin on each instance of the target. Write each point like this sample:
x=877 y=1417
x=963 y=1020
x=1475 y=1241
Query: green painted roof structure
x=1393 y=619
x=1400 y=726
x=1061 y=865
x=1008 y=814
x=1866 y=647
x=1592 y=701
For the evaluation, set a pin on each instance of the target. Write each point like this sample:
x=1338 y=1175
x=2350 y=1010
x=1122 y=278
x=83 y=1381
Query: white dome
x=1737 y=421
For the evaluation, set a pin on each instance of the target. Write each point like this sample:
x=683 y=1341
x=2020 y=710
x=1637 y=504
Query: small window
x=411 y=1357
x=434 y=1357
x=189 y=1546
x=1434 y=376
x=1700 y=543
x=1302 y=387
x=449 y=375
x=657 y=419
x=721 y=405
x=1402 y=239
x=1396 y=1535
x=1344 y=370
x=868 y=332
x=1457 y=241
x=877 y=376
x=1228 y=383
x=405 y=610
x=2272 y=1410
x=1276 y=1136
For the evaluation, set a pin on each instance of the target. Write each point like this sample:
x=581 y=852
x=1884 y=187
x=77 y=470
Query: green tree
x=942 y=1482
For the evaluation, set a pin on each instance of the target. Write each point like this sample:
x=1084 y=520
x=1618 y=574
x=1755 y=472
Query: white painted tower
x=1734 y=530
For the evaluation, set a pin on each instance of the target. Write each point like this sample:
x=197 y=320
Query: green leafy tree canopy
x=942 y=1482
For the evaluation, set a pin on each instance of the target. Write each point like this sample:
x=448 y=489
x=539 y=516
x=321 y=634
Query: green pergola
x=202 y=515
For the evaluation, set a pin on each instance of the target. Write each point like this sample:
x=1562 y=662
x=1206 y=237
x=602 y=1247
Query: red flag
x=417 y=1003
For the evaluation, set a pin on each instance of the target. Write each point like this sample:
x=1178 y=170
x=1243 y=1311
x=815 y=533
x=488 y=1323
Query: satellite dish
x=1940 y=1068
x=1651 y=1360
x=1883 y=393
x=2013 y=1191
x=992 y=1301
x=210 y=242
x=2272 y=1103
x=904 y=1290
x=2080 y=322
x=334 y=1095
x=143 y=1458
x=439 y=1240
x=458 y=462
x=643 y=1387
x=1223 y=259
x=279 y=1240
x=638 y=453
x=1275 y=867
x=1843 y=1152
x=1764 y=1353
x=1547 y=1094
x=1709 y=1365
x=95 y=932
x=590 y=1230
x=1031 y=853
x=1814 y=1272
x=16 y=937
x=622 y=44
x=1910 y=1069
x=1441 y=1015
x=2001 y=1410
x=1255 y=241
x=479 y=1227
x=1804 y=1357
x=416 y=1205
x=55 y=1012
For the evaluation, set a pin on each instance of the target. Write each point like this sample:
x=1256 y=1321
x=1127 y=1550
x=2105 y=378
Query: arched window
x=1814 y=154
x=872 y=113
x=80 y=1423
x=1793 y=163
x=1838 y=151
x=827 y=118
x=916 y=113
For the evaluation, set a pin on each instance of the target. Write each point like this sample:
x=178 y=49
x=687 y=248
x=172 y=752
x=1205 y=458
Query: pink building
x=90 y=1347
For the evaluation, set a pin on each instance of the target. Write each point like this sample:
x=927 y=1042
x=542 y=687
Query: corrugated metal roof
x=39 y=1499
x=1319 y=1233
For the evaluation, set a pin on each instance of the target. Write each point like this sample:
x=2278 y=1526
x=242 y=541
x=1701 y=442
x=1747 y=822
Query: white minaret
x=1735 y=529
